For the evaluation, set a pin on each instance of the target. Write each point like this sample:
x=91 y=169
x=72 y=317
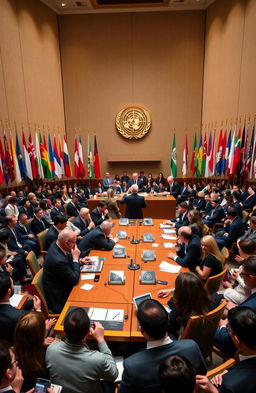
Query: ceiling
x=63 y=7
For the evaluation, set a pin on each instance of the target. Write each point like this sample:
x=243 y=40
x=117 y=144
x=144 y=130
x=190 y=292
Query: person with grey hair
x=83 y=221
x=134 y=203
x=99 y=238
x=61 y=270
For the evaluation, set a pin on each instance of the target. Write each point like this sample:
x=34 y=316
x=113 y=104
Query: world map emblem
x=133 y=122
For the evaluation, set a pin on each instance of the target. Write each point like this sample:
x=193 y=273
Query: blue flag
x=20 y=159
x=225 y=160
x=51 y=155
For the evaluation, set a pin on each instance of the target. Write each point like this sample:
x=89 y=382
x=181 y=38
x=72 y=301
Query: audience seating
x=32 y=262
x=212 y=284
x=225 y=252
x=38 y=287
x=202 y=328
x=41 y=241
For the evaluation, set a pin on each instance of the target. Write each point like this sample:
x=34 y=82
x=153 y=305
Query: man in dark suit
x=60 y=223
x=233 y=229
x=208 y=206
x=57 y=209
x=223 y=339
x=38 y=224
x=25 y=207
x=184 y=193
x=241 y=376
x=182 y=219
x=73 y=207
x=189 y=250
x=99 y=238
x=216 y=214
x=141 y=369
x=24 y=234
x=200 y=203
x=84 y=221
x=82 y=201
x=11 y=379
x=134 y=203
x=10 y=315
x=61 y=270
x=250 y=201
x=107 y=181
x=173 y=187
x=100 y=213
x=135 y=180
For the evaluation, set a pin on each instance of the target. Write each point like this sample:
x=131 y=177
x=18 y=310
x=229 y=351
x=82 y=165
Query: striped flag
x=204 y=154
x=61 y=155
x=26 y=158
x=199 y=157
x=208 y=156
x=33 y=157
x=250 y=151
x=1 y=164
x=17 y=175
x=96 y=160
x=38 y=159
x=67 y=166
x=81 y=159
x=174 y=158
x=219 y=155
x=193 y=167
x=90 y=167
x=56 y=158
x=8 y=162
x=20 y=159
x=185 y=158
x=51 y=159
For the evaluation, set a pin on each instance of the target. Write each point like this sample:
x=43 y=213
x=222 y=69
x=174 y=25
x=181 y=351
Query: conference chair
x=32 y=262
x=206 y=230
x=202 y=328
x=245 y=216
x=217 y=225
x=65 y=209
x=41 y=240
x=37 y=284
x=218 y=370
x=212 y=284
x=71 y=219
x=225 y=252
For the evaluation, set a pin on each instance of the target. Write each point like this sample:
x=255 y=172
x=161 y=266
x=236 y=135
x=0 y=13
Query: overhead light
x=63 y=4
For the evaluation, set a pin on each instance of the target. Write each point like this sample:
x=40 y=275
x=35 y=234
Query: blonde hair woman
x=212 y=260
x=113 y=210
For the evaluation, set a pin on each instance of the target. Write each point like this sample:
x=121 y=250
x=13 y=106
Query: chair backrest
x=212 y=284
x=32 y=263
x=65 y=209
x=202 y=329
x=224 y=251
x=71 y=219
x=41 y=240
x=245 y=215
x=39 y=290
x=205 y=230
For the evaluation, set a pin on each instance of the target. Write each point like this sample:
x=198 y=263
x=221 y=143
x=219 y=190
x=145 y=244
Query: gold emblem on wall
x=133 y=122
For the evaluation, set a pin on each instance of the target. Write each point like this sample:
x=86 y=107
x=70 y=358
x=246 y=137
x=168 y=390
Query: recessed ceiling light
x=63 y=4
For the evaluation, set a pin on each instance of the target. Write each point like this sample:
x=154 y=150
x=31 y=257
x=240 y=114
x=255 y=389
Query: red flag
x=32 y=156
x=8 y=159
x=96 y=160
x=76 y=160
x=1 y=166
x=211 y=161
x=5 y=171
x=237 y=153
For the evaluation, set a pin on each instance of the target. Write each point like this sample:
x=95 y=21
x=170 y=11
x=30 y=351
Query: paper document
x=155 y=244
x=119 y=365
x=168 y=237
x=169 y=245
x=99 y=314
x=115 y=315
x=15 y=300
x=94 y=259
x=169 y=268
x=88 y=276
x=165 y=226
x=169 y=231
x=87 y=287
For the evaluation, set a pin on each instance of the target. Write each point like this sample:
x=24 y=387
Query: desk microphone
x=134 y=241
x=133 y=266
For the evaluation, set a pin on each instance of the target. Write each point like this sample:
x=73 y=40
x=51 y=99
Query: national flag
x=20 y=159
x=174 y=158
x=231 y=154
x=199 y=157
x=250 y=151
x=38 y=160
x=8 y=161
x=61 y=155
x=17 y=174
x=51 y=158
x=204 y=154
x=253 y=158
x=27 y=161
x=81 y=159
x=56 y=159
x=76 y=160
x=219 y=155
x=90 y=167
x=244 y=145
x=208 y=156
x=1 y=164
x=185 y=158
x=67 y=166
x=5 y=169
x=45 y=158
x=96 y=160
x=193 y=167
x=33 y=157
x=212 y=157
x=223 y=158
x=237 y=153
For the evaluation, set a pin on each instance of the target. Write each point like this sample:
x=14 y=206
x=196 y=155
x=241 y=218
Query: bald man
x=188 y=249
x=61 y=270
x=99 y=238
x=134 y=203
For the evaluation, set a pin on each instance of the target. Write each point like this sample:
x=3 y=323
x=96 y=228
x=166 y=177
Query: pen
x=116 y=315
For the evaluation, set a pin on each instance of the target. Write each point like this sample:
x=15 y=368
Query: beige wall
x=30 y=71
x=151 y=59
x=230 y=62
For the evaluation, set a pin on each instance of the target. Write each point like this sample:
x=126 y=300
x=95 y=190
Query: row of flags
x=234 y=154
x=46 y=159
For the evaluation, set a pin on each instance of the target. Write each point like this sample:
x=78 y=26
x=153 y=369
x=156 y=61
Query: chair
x=206 y=230
x=71 y=219
x=217 y=225
x=32 y=262
x=37 y=284
x=219 y=369
x=65 y=209
x=202 y=328
x=245 y=216
x=41 y=240
x=212 y=284
x=224 y=251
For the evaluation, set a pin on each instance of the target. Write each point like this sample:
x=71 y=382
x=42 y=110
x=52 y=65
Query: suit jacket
x=200 y=204
x=12 y=243
x=250 y=234
x=235 y=230
x=51 y=237
x=78 y=222
x=29 y=212
x=60 y=274
x=113 y=209
x=106 y=183
x=22 y=233
x=82 y=200
x=250 y=301
x=141 y=369
x=174 y=189
x=38 y=226
x=95 y=240
x=134 y=205
x=97 y=217
x=73 y=209
x=240 y=378
x=249 y=202
x=139 y=183
x=190 y=256
x=56 y=212
x=9 y=317
x=208 y=208
x=181 y=220
x=215 y=216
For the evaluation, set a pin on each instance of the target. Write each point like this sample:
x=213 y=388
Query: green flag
x=90 y=167
x=174 y=158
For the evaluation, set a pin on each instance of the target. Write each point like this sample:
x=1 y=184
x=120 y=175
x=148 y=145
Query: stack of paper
x=165 y=226
x=169 y=245
x=169 y=231
x=168 y=237
x=15 y=300
x=169 y=268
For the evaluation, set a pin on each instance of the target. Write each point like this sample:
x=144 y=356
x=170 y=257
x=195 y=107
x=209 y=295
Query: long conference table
x=120 y=297
x=157 y=206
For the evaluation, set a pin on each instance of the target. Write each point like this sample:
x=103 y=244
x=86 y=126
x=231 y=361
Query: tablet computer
x=138 y=299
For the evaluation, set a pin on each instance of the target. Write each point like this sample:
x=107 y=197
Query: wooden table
x=157 y=206
x=103 y=295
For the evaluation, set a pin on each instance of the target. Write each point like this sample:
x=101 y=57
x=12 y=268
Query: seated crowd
x=210 y=220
